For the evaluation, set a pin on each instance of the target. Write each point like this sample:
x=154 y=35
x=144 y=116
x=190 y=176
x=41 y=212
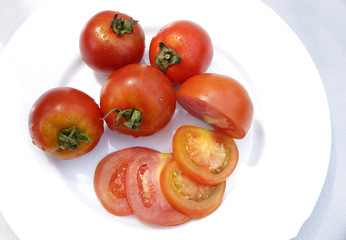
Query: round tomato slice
x=220 y=101
x=206 y=156
x=109 y=180
x=187 y=196
x=143 y=190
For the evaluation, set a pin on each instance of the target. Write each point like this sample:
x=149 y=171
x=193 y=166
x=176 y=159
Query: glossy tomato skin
x=220 y=101
x=141 y=87
x=187 y=196
x=109 y=180
x=62 y=108
x=192 y=43
x=206 y=156
x=103 y=50
x=143 y=190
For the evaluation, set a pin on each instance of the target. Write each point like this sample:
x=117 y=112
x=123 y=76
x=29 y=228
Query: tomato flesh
x=187 y=196
x=143 y=190
x=109 y=180
x=206 y=156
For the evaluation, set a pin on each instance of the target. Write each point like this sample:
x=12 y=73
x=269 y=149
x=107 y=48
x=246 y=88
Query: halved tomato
x=206 y=156
x=109 y=180
x=143 y=190
x=187 y=196
x=220 y=101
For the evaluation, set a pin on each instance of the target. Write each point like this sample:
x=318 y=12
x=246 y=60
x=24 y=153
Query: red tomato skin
x=220 y=101
x=111 y=166
x=142 y=87
x=62 y=108
x=156 y=210
x=192 y=43
x=103 y=50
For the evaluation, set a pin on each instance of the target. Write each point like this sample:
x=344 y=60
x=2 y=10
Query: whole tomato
x=220 y=101
x=181 y=49
x=65 y=123
x=138 y=100
x=111 y=40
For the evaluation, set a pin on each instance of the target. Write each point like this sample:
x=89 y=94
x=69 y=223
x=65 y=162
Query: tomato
x=109 y=180
x=65 y=123
x=143 y=190
x=187 y=196
x=220 y=101
x=111 y=40
x=206 y=156
x=181 y=49
x=138 y=100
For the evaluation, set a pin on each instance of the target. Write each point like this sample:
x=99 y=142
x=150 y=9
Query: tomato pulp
x=143 y=190
x=206 y=156
x=109 y=180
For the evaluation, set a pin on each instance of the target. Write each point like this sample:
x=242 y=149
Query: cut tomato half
x=109 y=180
x=206 y=156
x=143 y=190
x=187 y=196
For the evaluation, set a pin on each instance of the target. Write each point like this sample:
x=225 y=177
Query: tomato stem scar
x=71 y=138
x=121 y=26
x=166 y=57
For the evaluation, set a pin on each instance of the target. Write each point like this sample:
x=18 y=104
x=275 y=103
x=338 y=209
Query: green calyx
x=71 y=138
x=121 y=26
x=166 y=57
x=133 y=117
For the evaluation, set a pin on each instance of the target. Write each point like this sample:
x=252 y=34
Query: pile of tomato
x=140 y=100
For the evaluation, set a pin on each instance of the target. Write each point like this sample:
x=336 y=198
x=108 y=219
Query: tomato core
x=206 y=152
x=116 y=183
x=191 y=190
x=146 y=188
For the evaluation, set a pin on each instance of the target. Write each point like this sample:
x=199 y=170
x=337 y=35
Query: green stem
x=133 y=117
x=121 y=26
x=166 y=57
x=71 y=138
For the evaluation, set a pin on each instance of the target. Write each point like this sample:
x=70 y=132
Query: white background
x=321 y=26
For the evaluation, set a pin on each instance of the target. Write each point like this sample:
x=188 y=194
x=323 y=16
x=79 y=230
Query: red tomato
x=111 y=40
x=109 y=180
x=143 y=190
x=187 y=196
x=66 y=123
x=206 y=156
x=138 y=100
x=218 y=100
x=181 y=49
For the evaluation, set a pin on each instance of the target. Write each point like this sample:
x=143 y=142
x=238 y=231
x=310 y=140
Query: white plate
x=283 y=159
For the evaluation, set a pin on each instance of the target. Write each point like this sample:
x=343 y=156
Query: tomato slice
x=143 y=190
x=187 y=196
x=109 y=180
x=206 y=156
